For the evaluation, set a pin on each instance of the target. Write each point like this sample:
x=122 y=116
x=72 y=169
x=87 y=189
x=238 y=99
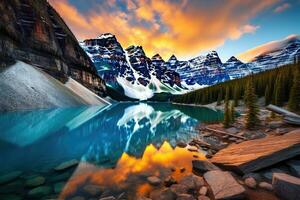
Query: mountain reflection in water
x=130 y=137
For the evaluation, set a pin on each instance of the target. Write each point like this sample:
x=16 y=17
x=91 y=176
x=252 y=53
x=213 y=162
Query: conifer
x=252 y=109
x=294 y=100
x=236 y=96
x=227 y=117
x=267 y=96
x=220 y=96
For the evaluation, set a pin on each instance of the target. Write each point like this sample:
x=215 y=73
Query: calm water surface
x=116 y=147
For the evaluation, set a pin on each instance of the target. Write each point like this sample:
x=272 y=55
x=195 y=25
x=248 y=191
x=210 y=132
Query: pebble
x=266 y=186
x=203 y=190
x=66 y=165
x=35 y=181
x=93 y=190
x=153 y=180
x=202 y=197
x=169 y=181
x=250 y=182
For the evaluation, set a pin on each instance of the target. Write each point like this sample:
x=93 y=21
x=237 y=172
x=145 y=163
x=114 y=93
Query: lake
x=87 y=152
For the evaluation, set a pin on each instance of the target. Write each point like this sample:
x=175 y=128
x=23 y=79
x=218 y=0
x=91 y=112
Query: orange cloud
x=184 y=28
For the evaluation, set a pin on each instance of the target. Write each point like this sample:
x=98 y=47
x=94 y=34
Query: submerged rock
x=35 y=181
x=192 y=182
x=58 y=187
x=66 y=165
x=286 y=186
x=224 y=186
x=40 y=192
x=202 y=166
x=5 y=178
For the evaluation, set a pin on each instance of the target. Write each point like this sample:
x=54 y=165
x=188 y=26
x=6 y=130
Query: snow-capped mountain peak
x=105 y=36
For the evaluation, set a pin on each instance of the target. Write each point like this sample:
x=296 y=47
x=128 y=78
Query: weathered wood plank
x=257 y=154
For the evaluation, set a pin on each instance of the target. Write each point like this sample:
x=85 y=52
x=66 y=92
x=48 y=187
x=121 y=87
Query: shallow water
x=117 y=147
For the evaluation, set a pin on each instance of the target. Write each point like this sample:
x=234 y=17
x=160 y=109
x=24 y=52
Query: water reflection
x=34 y=142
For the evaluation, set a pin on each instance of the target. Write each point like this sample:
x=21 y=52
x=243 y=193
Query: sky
x=185 y=28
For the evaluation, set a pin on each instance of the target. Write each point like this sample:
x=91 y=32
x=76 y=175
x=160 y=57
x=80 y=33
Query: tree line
x=278 y=86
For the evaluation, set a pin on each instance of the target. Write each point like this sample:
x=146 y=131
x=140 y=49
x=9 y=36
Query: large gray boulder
x=286 y=186
x=224 y=186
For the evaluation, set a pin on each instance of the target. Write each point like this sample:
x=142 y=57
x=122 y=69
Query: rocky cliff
x=33 y=32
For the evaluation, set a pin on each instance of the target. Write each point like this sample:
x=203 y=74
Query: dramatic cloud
x=270 y=46
x=282 y=8
x=181 y=27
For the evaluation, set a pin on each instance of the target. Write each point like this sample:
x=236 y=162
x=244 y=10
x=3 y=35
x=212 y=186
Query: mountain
x=135 y=75
x=129 y=72
x=32 y=32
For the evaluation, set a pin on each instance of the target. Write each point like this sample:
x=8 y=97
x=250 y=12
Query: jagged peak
x=173 y=57
x=233 y=59
x=156 y=57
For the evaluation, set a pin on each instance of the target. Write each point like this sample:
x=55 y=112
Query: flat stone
x=179 y=189
x=280 y=131
x=5 y=178
x=266 y=186
x=185 y=197
x=253 y=155
x=202 y=166
x=286 y=186
x=10 y=197
x=169 y=181
x=153 y=180
x=202 y=197
x=192 y=182
x=108 y=198
x=39 y=192
x=181 y=144
x=224 y=186
x=61 y=177
x=294 y=166
x=203 y=190
x=35 y=181
x=66 y=165
x=275 y=124
x=192 y=149
x=14 y=187
x=58 y=187
x=93 y=190
x=163 y=194
x=250 y=182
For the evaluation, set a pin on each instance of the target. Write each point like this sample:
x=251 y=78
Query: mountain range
x=131 y=73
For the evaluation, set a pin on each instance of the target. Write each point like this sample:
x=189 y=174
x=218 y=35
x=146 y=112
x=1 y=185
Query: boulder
x=223 y=185
x=10 y=197
x=66 y=165
x=202 y=166
x=35 y=181
x=192 y=182
x=39 y=192
x=185 y=197
x=5 y=178
x=153 y=180
x=286 y=186
x=162 y=194
x=232 y=130
x=294 y=166
x=275 y=124
x=265 y=186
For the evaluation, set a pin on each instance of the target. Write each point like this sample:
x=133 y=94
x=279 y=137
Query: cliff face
x=33 y=32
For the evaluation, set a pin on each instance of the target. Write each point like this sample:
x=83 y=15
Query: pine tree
x=267 y=96
x=236 y=96
x=294 y=100
x=278 y=91
x=232 y=112
x=252 y=109
x=227 y=117
x=220 y=96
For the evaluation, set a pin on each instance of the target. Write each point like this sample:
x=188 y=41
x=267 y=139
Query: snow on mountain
x=141 y=77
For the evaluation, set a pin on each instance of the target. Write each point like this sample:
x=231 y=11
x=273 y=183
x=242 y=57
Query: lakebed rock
x=66 y=165
x=192 y=182
x=202 y=166
x=286 y=186
x=35 y=181
x=153 y=180
x=162 y=194
x=39 y=192
x=224 y=185
x=5 y=178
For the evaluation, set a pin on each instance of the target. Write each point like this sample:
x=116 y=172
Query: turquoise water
x=35 y=142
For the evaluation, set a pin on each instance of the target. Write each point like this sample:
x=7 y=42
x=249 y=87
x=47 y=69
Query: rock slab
x=286 y=186
x=224 y=186
x=202 y=166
